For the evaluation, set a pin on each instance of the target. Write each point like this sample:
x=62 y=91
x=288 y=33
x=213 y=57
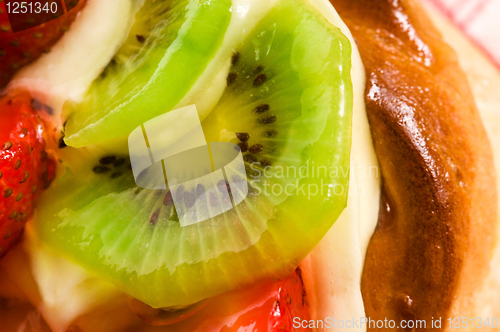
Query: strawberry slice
x=268 y=306
x=287 y=301
x=25 y=167
x=20 y=48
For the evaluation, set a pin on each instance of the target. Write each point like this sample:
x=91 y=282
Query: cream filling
x=332 y=271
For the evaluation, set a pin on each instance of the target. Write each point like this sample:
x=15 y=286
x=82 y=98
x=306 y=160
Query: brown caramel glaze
x=434 y=237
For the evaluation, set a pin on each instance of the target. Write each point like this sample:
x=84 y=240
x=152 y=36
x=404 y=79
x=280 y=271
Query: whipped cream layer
x=332 y=271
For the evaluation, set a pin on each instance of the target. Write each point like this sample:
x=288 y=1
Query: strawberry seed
x=26 y=175
x=7 y=192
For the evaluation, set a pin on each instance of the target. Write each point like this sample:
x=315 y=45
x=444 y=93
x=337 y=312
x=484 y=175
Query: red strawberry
x=25 y=167
x=268 y=306
x=277 y=313
x=20 y=48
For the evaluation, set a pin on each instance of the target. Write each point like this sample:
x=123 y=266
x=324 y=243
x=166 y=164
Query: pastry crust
x=435 y=235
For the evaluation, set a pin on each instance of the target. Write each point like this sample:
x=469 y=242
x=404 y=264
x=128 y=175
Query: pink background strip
x=479 y=19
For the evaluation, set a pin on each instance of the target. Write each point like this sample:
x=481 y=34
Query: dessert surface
x=435 y=223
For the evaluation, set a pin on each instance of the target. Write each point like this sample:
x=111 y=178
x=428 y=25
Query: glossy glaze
x=435 y=232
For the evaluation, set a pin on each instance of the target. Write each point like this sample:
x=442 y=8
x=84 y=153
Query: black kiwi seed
x=26 y=175
x=223 y=184
x=116 y=175
x=249 y=158
x=100 y=169
x=107 y=160
x=154 y=217
x=36 y=104
x=17 y=164
x=243 y=136
x=140 y=38
x=168 y=200
x=179 y=192
x=189 y=199
x=256 y=148
x=258 y=69
x=243 y=146
x=200 y=190
x=235 y=58
x=7 y=145
x=119 y=162
x=231 y=78
x=270 y=133
x=261 y=108
x=267 y=119
x=62 y=144
x=259 y=80
x=7 y=192
x=265 y=163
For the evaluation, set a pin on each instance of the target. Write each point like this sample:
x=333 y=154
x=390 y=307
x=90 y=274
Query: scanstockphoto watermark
x=288 y=180
x=358 y=323
x=367 y=322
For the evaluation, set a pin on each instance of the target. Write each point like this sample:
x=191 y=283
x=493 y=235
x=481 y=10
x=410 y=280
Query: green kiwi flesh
x=288 y=104
x=167 y=49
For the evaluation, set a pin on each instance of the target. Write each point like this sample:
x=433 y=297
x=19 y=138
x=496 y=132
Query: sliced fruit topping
x=268 y=306
x=288 y=104
x=20 y=48
x=287 y=301
x=26 y=169
x=168 y=48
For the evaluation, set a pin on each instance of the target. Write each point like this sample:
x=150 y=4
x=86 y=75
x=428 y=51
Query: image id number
x=472 y=322
x=31 y=7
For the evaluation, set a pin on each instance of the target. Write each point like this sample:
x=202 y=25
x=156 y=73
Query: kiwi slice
x=288 y=105
x=169 y=46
